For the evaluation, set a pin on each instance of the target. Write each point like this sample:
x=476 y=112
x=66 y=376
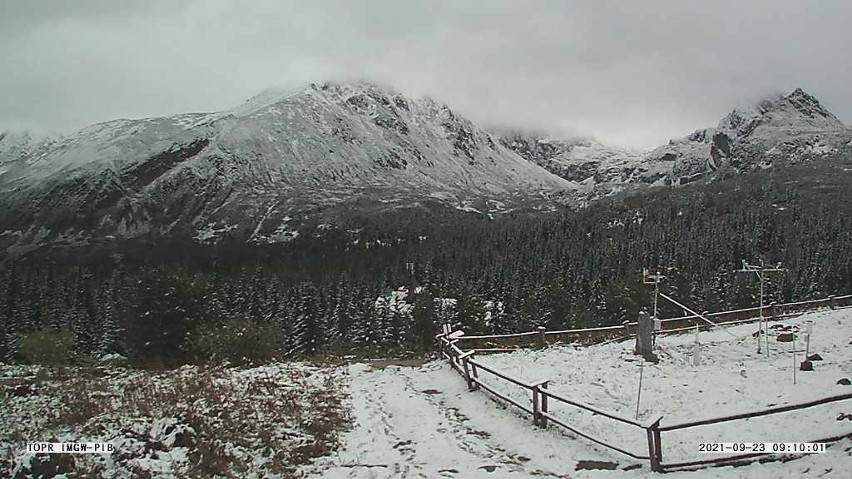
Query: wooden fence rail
x=595 y=410
x=541 y=398
x=739 y=458
x=762 y=412
x=738 y=417
x=498 y=342
x=595 y=440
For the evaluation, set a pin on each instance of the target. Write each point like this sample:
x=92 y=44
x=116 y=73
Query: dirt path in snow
x=408 y=423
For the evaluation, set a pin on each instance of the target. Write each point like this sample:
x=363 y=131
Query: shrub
x=47 y=347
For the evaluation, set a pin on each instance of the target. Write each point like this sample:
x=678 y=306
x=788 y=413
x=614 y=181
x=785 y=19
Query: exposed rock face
x=594 y=169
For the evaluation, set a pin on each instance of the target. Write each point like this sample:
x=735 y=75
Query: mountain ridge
x=781 y=129
x=256 y=167
x=288 y=157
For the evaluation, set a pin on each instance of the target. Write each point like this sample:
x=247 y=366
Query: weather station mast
x=761 y=271
x=655 y=279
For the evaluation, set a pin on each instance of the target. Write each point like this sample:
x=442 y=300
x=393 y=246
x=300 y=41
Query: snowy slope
x=246 y=169
x=422 y=421
x=581 y=160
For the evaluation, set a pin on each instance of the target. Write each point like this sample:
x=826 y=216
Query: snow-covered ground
x=422 y=421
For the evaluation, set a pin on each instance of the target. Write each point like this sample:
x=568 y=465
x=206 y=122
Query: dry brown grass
x=227 y=417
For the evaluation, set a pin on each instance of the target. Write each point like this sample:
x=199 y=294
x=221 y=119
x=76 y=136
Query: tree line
x=381 y=284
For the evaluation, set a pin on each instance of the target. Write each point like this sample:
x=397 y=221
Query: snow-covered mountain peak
x=798 y=110
x=790 y=128
x=15 y=145
x=264 y=99
x=785 y=128
x=343 y=90
x=319 y=149
x=285 y=153
x=808 y=105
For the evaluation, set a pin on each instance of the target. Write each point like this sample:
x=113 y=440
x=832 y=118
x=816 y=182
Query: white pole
x=763 y=324
x=809 y=328
x=639 y=395
x=695 y=349
x=656 y=293
x=794 y=358
x=807 y=346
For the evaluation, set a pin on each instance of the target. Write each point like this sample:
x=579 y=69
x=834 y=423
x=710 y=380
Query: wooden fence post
x=655 y=446
x=463 y=358
x=536 y=413
x=773 y=306
x=541 y=337
x=452 y=354
x=475 y=374
x=831 y=302
x=626 y=325
x=443 y=340
x=539 y=402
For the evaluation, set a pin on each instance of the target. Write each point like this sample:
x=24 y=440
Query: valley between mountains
x=349 y=222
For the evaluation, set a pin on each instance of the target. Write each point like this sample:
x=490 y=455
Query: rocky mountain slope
x=594 y=169
x=256 y=169
x=782 y=130
x=264 y=170
x=788 y=129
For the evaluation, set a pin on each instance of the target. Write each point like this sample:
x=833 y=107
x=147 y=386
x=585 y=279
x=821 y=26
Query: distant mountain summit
x=786 y=129
x=257 y=169
x=781 y=130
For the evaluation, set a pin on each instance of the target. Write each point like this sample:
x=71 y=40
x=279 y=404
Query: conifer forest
x=381 y=284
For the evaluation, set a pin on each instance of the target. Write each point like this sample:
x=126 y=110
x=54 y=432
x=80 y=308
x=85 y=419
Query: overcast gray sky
x=628 y=72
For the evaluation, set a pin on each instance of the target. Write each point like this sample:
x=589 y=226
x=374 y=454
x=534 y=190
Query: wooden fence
x=658 y=446
x=541 y=399
x=771 y=312
x=542 y=337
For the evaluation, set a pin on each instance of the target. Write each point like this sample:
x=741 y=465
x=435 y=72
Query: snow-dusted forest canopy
x=381 y=284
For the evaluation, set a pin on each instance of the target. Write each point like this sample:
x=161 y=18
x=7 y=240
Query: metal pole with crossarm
x=760 y=271
x=648 y=278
